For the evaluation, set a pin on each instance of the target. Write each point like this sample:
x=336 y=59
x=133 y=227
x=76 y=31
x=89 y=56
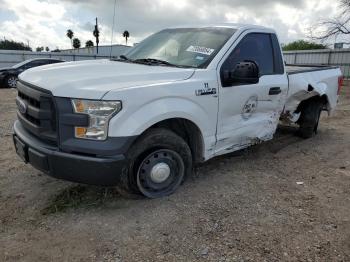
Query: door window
x=279 y=67
x=256 y=47
x=33 y=64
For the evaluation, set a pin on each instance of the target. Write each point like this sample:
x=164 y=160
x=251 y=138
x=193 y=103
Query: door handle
x=275 y=91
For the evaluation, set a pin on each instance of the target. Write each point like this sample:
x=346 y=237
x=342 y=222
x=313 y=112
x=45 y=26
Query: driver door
x=249 y=113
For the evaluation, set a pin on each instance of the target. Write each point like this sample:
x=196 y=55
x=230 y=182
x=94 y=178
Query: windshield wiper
x=148 y=61
x=153 y=61
x=121 y=58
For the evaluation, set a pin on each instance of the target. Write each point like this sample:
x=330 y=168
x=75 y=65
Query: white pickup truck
x=180 y=97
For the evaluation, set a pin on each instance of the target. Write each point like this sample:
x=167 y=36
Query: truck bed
x=306 y=81
x=298 y=69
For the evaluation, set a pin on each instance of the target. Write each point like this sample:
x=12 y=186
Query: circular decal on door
x=250 y=107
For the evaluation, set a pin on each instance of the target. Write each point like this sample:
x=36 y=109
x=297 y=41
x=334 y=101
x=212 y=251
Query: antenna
x=115 y=3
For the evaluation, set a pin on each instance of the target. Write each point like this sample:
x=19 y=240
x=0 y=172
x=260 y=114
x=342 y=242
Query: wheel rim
x=160 y=173
x=12 y=81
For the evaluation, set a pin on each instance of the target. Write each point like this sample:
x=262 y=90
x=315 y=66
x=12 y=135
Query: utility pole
x=96 y=35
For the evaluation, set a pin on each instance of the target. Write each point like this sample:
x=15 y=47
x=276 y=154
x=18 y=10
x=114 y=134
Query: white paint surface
x=150 y=94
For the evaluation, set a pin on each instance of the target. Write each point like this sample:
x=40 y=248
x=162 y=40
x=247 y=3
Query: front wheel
x=11 y=81
x=160 y=160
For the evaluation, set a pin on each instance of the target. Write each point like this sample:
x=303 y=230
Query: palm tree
x=126 y=34
x=70 y=35
x=39 y=49
x=76 y=43
x=89 y=43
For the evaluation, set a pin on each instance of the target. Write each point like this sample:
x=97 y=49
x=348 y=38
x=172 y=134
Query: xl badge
x=206 y=91
x=250 y=107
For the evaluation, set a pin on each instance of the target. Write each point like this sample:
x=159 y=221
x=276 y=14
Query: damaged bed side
x=308 y=84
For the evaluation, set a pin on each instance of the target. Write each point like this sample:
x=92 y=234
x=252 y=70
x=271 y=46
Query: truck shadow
x=85 y=196
x=80 y=196
x=284 y=137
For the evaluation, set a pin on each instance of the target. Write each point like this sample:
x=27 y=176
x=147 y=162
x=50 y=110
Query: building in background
x=104 y=50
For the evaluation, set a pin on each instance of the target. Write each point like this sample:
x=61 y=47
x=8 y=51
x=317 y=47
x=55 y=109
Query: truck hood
x=93 y=79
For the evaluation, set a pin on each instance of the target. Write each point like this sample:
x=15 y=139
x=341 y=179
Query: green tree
x=47 y=49
x=89 y=43
x=126 y=35
x=302 y=45
x=70 y=35
x=12 y=45
x=39 y=49
x=76 y=43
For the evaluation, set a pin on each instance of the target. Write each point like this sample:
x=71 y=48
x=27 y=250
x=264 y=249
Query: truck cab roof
x=237 y=26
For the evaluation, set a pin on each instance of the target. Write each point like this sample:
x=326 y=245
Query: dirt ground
x=242 y=207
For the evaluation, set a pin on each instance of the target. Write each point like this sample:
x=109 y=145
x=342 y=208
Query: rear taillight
x=340 y=84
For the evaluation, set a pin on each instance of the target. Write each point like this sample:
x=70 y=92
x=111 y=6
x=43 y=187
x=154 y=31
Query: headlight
x=99 y=112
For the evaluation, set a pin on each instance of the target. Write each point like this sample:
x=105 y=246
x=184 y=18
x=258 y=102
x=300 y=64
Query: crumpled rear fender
x=308 y=85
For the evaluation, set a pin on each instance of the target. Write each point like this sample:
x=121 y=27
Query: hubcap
x=160 y=172
x=12 y=81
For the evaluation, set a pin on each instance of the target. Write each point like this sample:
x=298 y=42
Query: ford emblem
x=22 y=106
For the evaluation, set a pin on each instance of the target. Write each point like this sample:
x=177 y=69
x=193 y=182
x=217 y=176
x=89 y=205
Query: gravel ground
x=285 y=200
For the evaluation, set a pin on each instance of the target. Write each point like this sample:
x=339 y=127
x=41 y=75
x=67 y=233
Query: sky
x=45 y=22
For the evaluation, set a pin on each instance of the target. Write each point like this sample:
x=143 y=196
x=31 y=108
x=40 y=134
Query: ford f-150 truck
x=178 y=98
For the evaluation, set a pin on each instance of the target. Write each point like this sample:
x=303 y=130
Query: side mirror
x=246 y=72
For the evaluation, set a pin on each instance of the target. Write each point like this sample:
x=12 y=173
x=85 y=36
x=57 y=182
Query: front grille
x=36 y=111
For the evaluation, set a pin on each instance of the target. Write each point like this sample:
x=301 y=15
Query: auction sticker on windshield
x=200 y=50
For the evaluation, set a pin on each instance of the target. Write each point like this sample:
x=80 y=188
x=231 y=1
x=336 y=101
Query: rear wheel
x=159 y=162
x=11 y=81
x=309 y=118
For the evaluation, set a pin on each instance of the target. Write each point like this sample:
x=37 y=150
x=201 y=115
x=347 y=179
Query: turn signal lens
x=80 y=132
x=79 y=106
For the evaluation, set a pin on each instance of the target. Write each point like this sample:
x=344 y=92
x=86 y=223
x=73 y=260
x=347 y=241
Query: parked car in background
x=8 y=76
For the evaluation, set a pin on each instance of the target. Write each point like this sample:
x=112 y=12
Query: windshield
x=188 y=47
x=20 y=64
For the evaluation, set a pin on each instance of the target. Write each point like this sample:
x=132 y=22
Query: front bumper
x=2 y=79
x=104 y=171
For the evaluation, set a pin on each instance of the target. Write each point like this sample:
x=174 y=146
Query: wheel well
x=9 y=75
x=323 y=99
x=189 y=131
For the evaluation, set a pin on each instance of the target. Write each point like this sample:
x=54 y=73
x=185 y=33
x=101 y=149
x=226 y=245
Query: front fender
x=133 y=123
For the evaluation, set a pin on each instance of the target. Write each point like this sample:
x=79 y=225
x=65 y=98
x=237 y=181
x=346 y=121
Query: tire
x=309 y=119
x=11 y=81
x=159 y=162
